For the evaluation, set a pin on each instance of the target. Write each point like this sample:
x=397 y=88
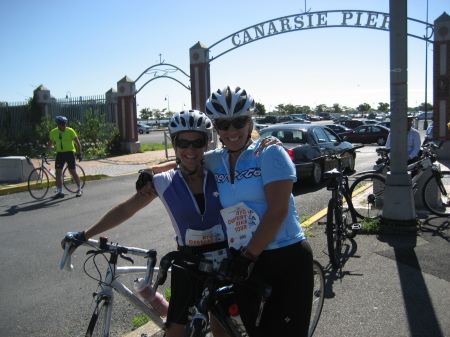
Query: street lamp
x=183 y=106
x=67 y=95
x=425 y=122
x=166 y=98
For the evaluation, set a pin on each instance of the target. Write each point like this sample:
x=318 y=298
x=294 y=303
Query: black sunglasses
x=184 y=143
x=238 y=123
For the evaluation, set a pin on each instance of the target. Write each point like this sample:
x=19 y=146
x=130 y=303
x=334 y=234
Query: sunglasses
x=238 y=123
x=184 y=143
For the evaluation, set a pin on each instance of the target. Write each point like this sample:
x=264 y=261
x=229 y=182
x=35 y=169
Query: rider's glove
x=75 y=238
x=80 y=157
x=143 y=179
x=242 y=266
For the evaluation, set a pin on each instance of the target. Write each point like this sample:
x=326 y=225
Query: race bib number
x=206 y=237
x=241 y=222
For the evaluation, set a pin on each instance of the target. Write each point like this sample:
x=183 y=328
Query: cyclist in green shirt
x=65 y=139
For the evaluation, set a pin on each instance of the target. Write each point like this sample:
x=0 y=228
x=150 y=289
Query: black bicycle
x=368 y=190
x=342 y=222
x=218 y=296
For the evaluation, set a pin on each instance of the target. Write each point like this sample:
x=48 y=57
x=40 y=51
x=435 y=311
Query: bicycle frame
x=111 y=281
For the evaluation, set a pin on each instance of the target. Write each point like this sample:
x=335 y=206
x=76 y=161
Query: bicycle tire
x=367 y=195
x=69 y=182
x=334 y=232
x=318 y=296
x=38 y=183
x=437 y=203
x=97 y=324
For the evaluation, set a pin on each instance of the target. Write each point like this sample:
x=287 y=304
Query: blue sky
x=84 y=47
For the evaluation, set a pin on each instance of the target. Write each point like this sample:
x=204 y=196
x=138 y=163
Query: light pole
x=425 y=121
x=67 y=95
x=183 y=106
x=166 y=98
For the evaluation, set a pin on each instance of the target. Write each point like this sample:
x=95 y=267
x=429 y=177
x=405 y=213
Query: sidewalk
x=109 y=166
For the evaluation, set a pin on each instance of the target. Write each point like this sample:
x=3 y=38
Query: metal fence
x=15 y=119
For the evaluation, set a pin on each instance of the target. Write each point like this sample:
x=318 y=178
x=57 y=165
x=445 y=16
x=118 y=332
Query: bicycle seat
x=383 y=150
x=333 y=173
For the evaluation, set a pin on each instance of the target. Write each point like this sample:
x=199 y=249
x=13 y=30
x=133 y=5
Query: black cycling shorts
x=289 y=270
x=65 y=157
x=187 y=284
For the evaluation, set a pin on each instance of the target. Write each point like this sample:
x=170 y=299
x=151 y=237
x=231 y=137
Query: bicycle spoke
x=367 y=194
x=435 y=194
x=38 y=183
x=69 y=181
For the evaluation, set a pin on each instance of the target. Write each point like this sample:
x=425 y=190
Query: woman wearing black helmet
x=276 y=249
x=190 y=195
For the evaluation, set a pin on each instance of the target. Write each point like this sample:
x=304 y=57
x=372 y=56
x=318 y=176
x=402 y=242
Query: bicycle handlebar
x=104 y=247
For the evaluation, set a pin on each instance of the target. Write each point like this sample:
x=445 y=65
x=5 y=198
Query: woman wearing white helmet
x=190 y=195
x=261 y=180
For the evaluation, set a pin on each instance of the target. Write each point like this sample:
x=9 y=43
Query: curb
x=24 y=186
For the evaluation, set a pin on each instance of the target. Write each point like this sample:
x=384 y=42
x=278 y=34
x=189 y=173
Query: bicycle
x=100 y=322
x=39 y=182
x=342 y=222
x=218 y=296
x=369 y=188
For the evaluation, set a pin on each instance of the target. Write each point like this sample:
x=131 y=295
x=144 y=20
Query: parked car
x=142 y=127
x=351 y=123
x=371 y=115
x=368 y=134
x=304 y=142
x=258 y=126
x=339 y=129
x=268 y=120
x=422 y=115
x=285 y=119
x=386 y=123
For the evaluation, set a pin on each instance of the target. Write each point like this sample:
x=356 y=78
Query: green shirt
x=64 y=139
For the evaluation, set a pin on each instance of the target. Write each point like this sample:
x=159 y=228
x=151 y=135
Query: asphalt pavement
x=390 y=285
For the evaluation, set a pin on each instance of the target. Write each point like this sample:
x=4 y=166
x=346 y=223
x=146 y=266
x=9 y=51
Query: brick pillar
x=127 y=115
x=43 y=99
x=441 y=80
x=200 y=76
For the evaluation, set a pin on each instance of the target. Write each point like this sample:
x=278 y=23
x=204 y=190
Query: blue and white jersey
x=191 y=227
x=254 y=169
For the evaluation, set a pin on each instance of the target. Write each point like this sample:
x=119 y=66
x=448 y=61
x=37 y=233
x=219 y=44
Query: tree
x=383 y=106
x=422 y=107
x=260 y=109
x=363 y=107
x=145 y=113
x=337 y=108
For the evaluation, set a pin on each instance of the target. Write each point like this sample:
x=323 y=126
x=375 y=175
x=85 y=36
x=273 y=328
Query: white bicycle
x=100 y=321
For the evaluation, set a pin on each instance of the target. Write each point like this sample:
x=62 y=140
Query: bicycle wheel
x=69 y=182
x=99 y=320
x=367 y=194
x=38 y=183
x=435 y=193
x=334 y=232
x=318 y=296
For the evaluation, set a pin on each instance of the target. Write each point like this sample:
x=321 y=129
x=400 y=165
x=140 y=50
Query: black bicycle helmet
x=228 y=103
x=61 y=119
x=190 y=120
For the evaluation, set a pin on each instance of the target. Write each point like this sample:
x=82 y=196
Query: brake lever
x=127 y=258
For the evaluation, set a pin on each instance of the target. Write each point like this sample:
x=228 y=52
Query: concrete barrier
x=14 y=170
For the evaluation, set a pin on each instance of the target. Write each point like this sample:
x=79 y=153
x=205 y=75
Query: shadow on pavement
x=32 y=205
x=420 y=313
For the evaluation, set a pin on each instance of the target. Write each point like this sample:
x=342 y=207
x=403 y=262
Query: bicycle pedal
x=356 y=226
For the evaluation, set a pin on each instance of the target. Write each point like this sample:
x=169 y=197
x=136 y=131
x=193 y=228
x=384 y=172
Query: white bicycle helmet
x=190 y=120
x=228 y=103
x=61 y=119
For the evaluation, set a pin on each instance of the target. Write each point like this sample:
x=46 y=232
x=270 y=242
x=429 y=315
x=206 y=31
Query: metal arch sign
x=311 y=20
